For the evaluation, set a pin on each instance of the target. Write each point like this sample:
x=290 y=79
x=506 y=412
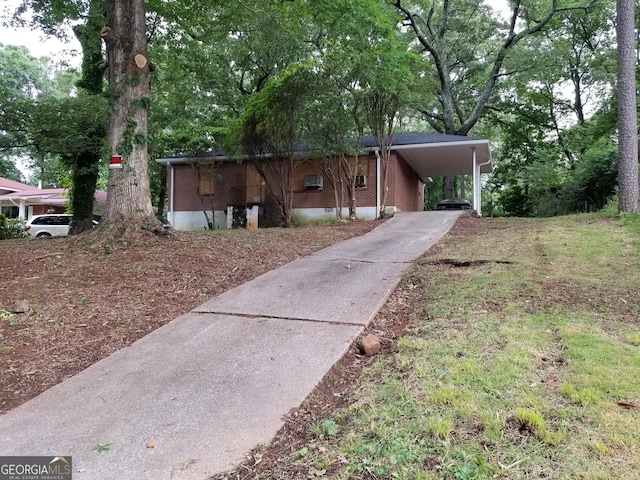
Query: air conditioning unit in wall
x=313 y=181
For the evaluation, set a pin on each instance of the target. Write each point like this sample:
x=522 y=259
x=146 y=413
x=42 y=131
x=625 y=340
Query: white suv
x=51 y=225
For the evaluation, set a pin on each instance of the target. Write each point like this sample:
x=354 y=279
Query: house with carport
x=19 y=200
x=208 y=190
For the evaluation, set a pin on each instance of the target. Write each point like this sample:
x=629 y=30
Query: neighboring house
x=211 y=189
x=18 y=200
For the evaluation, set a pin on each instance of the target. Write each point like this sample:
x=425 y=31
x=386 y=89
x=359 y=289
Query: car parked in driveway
x=455 y=204
x=50 y=225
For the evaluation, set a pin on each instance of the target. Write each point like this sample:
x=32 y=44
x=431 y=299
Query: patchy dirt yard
x=65 y=303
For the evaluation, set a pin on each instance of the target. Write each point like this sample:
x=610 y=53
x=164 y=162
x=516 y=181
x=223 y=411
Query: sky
x=38 y=44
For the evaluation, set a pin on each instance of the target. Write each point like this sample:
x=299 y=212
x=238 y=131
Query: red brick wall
x=186 y=186
x=366 y=197
x=310 y=198
x=405 y=188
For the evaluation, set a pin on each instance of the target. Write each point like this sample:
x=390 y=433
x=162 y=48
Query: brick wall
x=228 y=174
x=404 y=187
x=406 y=190
x=311 y=197
x=324 y=198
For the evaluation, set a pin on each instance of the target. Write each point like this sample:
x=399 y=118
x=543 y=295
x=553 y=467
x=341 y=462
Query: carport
x=440 y=155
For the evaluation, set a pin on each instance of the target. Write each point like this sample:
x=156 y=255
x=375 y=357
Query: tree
x=382 y=109
x=51 y=15
x=269 y=132
x=380 y=75
x=25 y=82
x=73 y=129
x=10 y=171
x=468 y=71
x=128 y=194
x=86 y=164
x=333 y=137
x=627 y=107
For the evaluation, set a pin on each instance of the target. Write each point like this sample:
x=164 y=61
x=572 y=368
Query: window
x=61 y=220
x=361 y=181
x=206 y=179
x=10 y=212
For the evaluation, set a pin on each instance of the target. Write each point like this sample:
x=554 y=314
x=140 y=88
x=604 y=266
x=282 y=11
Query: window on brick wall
x=362 y=173
x=206 y=180
x=361 y=181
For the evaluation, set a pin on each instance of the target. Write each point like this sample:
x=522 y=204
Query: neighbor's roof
x=12 y=190
x=428 y=154
x=7 y=185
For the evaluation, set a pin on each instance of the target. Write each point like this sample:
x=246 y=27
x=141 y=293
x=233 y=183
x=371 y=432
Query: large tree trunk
x=627 y=114
x=129 y=195
x=448 y=187
x=84 y=174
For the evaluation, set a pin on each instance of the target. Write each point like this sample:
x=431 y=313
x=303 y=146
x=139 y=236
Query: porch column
x=476 y=182
x=171 y=214
x=22 y=214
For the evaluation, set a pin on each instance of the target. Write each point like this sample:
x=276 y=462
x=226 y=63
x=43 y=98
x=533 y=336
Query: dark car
x=454 y=204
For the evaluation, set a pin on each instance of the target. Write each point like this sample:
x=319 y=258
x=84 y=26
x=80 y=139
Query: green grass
x=506 y=370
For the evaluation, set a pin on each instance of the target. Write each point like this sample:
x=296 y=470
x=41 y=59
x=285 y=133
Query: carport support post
x=476 y=182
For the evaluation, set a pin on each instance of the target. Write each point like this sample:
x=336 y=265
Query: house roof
x=7 y=185
x=11 y=190
x=428 y=154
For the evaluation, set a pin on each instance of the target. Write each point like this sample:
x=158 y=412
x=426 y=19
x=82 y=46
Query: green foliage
x=9 y=170
x=210 y=72
x=23 y=76
x=70 y=126
x=11 y=228
x=592 y=183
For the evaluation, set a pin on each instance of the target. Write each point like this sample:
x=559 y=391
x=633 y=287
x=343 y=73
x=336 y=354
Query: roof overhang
x=211 y=158
x=428 y=154
x=446 y=158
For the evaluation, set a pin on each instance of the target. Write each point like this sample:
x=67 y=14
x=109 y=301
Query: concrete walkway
x=192 y=398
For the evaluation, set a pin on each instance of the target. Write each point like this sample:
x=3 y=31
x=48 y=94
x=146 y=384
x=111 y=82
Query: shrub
x=11 y=228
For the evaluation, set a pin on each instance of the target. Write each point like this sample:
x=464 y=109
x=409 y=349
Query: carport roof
x=438 y=154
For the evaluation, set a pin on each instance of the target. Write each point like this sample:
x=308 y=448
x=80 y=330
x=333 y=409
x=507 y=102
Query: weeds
x=102 y=447
x=11 y=318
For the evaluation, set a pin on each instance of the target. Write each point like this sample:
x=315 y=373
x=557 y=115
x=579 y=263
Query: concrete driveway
x=192 y=398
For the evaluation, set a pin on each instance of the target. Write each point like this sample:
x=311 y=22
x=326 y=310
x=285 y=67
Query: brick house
x=213 y=188
x=19 y=200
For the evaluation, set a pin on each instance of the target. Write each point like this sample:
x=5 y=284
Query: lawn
x=520 y=359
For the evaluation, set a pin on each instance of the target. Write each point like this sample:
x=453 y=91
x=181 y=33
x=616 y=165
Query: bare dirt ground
x=65 y=303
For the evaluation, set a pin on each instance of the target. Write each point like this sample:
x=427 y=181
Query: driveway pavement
x=193 y=397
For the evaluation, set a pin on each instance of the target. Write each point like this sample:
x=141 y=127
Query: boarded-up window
x=206 y=180
x=363 y=166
